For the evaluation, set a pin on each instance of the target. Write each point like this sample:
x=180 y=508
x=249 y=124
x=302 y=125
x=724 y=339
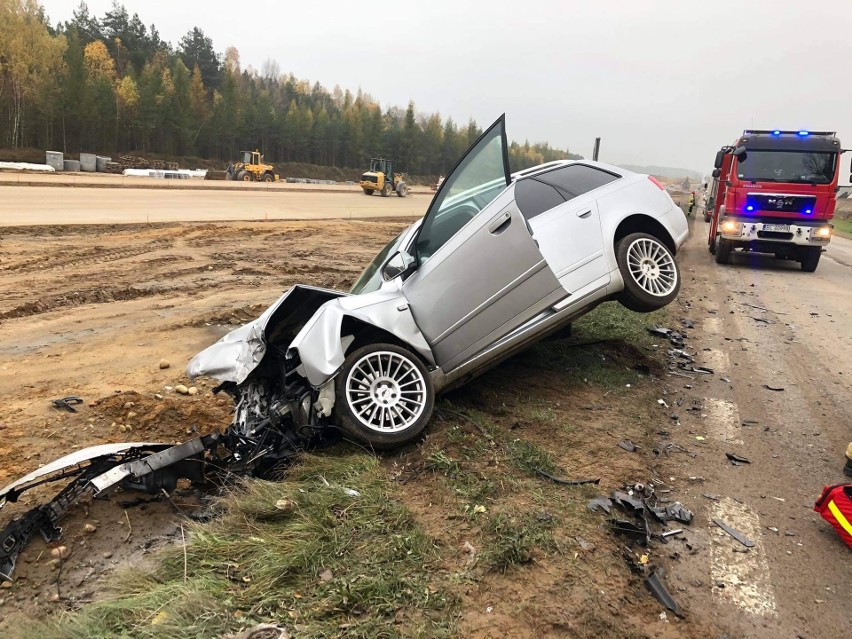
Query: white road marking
x=723 y=420
x=740 y=578
x=712 y=325
x=717 y=360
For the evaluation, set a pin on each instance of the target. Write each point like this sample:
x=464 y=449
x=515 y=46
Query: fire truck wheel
x=651 y=276
x=723 y=251
x=810 y=258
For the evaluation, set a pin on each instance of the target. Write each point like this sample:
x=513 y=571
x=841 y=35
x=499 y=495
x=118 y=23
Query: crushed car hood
x=238 y=353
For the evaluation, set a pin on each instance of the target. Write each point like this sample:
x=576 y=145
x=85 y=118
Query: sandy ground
x=92 y=310
x=47 y=205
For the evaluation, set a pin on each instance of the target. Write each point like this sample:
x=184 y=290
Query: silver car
x=498 y=262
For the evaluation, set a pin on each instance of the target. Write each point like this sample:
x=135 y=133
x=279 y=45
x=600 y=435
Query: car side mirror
x=399 y=264
x=740 y=153
x=716 y=173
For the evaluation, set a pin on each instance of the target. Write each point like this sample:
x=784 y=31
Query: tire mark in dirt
x=92 y=256
x=740 y=575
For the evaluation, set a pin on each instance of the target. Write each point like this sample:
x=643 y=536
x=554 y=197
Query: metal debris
x=661 y=594
x=737 y=459
x=773 y=388
x=733 y=532
x=627 y=445
x=67 y=403
x=600 y=503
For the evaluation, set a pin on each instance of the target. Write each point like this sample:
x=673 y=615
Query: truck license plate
x=781 y=228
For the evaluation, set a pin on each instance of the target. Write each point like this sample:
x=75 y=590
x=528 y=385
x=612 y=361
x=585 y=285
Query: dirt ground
x=93 y=310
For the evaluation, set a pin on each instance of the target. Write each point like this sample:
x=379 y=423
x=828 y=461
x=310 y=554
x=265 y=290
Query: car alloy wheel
x=652 y=267
x=386 y=392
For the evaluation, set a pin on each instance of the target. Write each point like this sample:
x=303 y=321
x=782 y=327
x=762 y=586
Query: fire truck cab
x=774 y=192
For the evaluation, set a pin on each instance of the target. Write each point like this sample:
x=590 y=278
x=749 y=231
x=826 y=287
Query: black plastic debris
x=773 y=388
x=733 y=532
x=627 y=445
x=736 y=460
x=674 y=511
x=567 y=482
x=628 y=528
x=688 y=323
x=600 y=503
x=661 y=594
x=628 y=502
x=67 y=403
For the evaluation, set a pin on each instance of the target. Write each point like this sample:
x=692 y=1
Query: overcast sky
x=663 y=82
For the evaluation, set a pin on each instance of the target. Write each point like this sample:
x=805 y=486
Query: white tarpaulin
x=25 y=166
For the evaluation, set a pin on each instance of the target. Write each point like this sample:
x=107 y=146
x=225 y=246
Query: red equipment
x=835 y=506
x=774 y=192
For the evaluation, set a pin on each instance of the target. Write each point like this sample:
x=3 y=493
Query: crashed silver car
x=498 y=262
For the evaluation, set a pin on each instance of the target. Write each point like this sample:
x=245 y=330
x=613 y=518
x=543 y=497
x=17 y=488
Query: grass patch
x=512 y=540
x=843 y=227
x=307 y=553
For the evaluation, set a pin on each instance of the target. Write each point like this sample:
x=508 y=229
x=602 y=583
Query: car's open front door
x=480 y=274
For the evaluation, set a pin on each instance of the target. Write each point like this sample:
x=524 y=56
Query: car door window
x=576 y=179
x=534 y=197
x=479 y=177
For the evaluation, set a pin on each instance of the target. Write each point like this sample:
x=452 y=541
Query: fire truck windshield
x=787 y=166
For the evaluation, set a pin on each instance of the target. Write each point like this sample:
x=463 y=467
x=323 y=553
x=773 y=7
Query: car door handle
x=500 y=223
x=584 y=214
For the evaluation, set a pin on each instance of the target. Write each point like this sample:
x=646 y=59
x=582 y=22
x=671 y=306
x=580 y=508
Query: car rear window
x=535 y=195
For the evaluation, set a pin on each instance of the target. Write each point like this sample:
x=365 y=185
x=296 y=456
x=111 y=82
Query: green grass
x=843 y=227
x=511 y=540
x=262 y=559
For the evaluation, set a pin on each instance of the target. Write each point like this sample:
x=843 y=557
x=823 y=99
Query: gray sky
x=663 y=82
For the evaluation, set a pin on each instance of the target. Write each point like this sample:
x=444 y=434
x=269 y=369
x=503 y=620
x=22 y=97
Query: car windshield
x=787 y=166
x=371 y=279
x=480 y=177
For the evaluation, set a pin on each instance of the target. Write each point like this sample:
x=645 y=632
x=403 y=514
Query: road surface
x=761 y=323
x=37 y=205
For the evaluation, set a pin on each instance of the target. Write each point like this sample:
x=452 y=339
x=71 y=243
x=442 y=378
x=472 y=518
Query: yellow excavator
x=381 y=178
x=251 y=169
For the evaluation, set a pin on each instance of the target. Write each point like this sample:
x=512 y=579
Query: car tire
x=650 y=273
x=388 y=408
x=810 y=258
x=723 y=251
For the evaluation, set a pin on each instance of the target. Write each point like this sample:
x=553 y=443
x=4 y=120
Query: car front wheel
x=651 y=276
x=384 y=395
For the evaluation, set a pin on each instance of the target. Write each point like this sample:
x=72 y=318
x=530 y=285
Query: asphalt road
x=759 y=323
x=36 y=205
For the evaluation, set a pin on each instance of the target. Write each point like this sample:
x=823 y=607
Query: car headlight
x=729 y=226
x=821 y=233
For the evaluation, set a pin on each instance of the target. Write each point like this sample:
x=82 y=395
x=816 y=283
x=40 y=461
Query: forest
x=111 y=84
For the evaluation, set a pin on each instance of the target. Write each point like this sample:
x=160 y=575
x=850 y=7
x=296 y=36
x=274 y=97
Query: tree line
x=112 y=85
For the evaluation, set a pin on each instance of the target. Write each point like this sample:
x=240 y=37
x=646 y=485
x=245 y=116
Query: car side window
x=534 y=198
x=576 y=179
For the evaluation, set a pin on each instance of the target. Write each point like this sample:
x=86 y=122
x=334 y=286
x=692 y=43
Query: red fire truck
x=774 y=192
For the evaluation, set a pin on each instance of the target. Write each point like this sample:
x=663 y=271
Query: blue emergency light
x=804 y=133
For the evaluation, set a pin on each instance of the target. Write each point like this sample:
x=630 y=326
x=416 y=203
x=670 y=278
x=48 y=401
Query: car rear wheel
x=651 y=276
x=384 y=395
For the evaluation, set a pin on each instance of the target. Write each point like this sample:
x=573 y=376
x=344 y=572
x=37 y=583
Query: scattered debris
x=733 y=532
x=675 y=511
x=773 y=388
x=67 y=403
x=736 y=460
x=567 y=482
x=627 y=445
x=661 y=594
x=600 y=503
x=711 y=496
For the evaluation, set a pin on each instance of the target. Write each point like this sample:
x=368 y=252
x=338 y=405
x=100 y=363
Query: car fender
x=320 y=343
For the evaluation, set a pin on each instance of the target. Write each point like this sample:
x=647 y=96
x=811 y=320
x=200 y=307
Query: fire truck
x=774 y=192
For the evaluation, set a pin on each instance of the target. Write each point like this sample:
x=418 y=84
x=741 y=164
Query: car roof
x=549 y=166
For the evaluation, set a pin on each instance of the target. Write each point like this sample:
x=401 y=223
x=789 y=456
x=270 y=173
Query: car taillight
x=657 y=182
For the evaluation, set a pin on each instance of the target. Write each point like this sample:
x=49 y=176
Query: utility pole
x=597 y=150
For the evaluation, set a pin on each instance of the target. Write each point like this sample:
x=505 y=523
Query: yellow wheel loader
x=251 y=169
x=381 y=178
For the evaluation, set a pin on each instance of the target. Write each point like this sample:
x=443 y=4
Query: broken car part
x=736 y=534
x=661 y=594
x=67 y=403
x=567 y=482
